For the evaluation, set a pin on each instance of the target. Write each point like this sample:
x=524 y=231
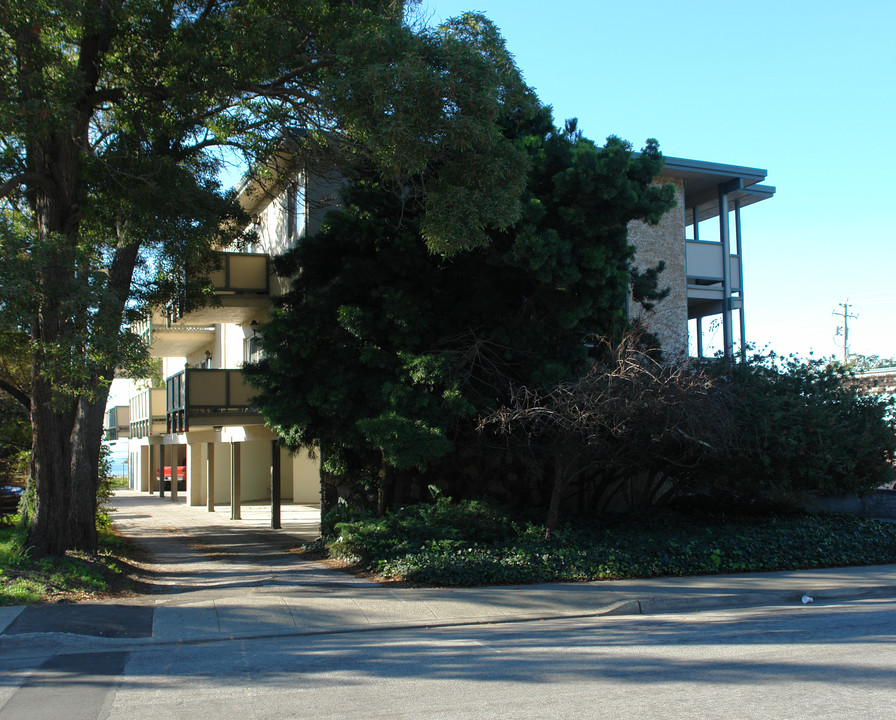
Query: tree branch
x=26 y=178
x=16 y=393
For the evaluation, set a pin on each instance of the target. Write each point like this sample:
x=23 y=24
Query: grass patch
x=471 y=543
x=76 y=576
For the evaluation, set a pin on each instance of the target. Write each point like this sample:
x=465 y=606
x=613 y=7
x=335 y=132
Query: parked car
x=9 y=499
x=181 y=477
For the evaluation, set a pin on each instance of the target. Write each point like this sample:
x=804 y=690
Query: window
x=251 y=350
x=291 y=203
x=295 y=210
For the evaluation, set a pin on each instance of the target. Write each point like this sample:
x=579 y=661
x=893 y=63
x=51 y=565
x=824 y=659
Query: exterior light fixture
x=208 y=354
x=254 y=326
x=256 y=219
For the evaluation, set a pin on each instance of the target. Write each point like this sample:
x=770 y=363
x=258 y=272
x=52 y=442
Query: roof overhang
x=703 y=180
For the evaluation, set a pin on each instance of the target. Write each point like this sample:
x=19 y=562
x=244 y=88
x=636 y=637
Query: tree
x=864 y=363
x=112 y=119
x=383 y=354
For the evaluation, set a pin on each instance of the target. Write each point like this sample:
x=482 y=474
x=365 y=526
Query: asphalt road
x=816 y=661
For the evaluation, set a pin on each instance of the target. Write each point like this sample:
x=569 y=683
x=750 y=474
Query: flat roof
x=702 y=179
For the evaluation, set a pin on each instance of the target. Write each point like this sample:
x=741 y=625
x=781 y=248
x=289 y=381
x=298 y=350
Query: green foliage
x=797 y=428
x=104 y=490
x=634 y=431
x=25 y=579
x=470 y=544
x=384 y=353
x=864 y=363
x=113 y=127
x=440 y=524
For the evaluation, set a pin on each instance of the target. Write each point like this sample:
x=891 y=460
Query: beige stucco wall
x=665 y=241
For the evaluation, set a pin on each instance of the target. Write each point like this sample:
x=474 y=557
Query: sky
x=804 y=90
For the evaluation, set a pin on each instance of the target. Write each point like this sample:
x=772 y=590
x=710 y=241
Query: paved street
x=240 y=628
x=835 y=661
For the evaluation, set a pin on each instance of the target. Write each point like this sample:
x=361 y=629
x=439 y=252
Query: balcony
x=705 y=278
x=163 y=339
x=206 y=398
x=117 y=423
x=241 y=285
x=148 y=413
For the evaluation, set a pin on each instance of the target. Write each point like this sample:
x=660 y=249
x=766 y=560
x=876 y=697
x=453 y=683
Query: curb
x=641 y=606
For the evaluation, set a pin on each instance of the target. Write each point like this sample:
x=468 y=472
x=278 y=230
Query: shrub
x=798 y=428
x=766 y=431
x=654 y=543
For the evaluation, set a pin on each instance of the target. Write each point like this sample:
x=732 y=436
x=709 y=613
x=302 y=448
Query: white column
x=195 y=467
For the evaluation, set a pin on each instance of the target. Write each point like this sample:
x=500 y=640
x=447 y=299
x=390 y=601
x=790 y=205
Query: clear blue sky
x=805 y=90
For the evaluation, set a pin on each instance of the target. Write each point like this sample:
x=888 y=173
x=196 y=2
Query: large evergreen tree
x=384 y=353
x=112 y=112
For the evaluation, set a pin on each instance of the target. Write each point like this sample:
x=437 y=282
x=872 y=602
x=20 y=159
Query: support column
x=210 y=477
x=194 y=473
x=725 y=238
x=161 y=471
x=144 y=473
x=275 y=485
x=235 y=481
x=700 y=338
x=740 y=268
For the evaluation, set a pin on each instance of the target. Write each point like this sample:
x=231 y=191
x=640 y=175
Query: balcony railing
x=203 y=398
x=241 y=274
x=117 y=423
x=704 y=263
x=148 y=413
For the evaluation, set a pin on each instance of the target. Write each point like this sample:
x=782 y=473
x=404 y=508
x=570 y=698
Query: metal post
x=740 y=272
x=700 y=337
x=210 y=476
x=724 y=237
x=275 y=485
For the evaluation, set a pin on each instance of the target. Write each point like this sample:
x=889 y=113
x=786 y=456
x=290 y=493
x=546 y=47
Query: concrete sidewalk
x=215 y=578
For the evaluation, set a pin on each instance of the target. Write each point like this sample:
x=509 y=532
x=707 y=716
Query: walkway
x=215 y=578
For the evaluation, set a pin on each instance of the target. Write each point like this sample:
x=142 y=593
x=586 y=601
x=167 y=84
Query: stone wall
x=668 y=320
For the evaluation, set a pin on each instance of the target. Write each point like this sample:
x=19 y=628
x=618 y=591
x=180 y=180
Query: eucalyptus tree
x=113 y=116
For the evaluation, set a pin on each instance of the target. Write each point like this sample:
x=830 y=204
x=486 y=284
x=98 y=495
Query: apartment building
x=700 y=241
x=201 y=427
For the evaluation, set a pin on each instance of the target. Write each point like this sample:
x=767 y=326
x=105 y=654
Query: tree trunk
x=87 y=438
x=329 y=495
x=67 y=426
x=52 y=419
x=51 y=431
x=560 y=480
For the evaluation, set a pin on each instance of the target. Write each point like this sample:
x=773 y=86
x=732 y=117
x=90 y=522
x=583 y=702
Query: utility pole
x=844 y=329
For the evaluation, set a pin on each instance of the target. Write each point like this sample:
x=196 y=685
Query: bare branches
x=624 y=426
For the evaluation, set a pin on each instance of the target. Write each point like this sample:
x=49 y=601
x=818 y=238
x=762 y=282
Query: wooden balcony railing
x=148 y=413
x=117 y=423
x=203 y=398
x=243 y=274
